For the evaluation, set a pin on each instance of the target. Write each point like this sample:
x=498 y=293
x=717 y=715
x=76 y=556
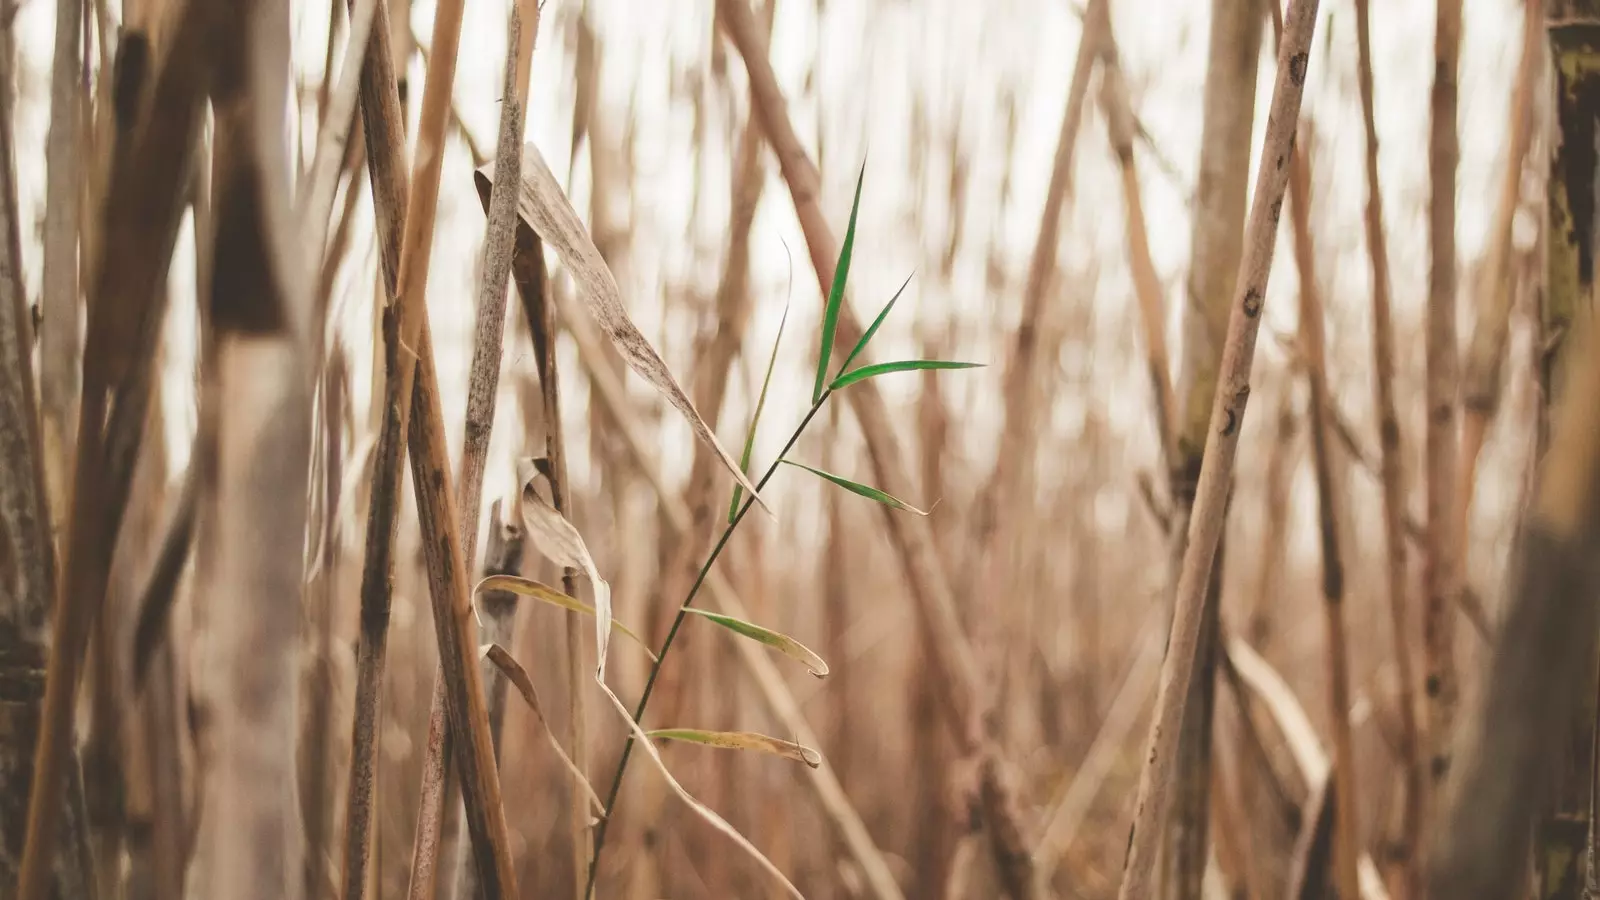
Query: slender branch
x=780 y=700
x=1329 y=508
x=949 y=649
x=1216 y=472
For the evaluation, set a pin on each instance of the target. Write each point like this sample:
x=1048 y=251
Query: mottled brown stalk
x=1330 y=506
x=157 y=118
x=1440 y=562
x=950 y=651
x=483 y=380
x=27 y=567
x=1216 y=245
x=405 y=228
x=1541 y=665
x=1216 y=472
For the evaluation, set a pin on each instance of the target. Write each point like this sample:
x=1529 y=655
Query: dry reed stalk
x=1216 y=245
x=1146 y=283
x=1485 y=355
x=1216 y=471
x=484 y=376
x=1541 y=664
x=148 y=164
x=405 y=226
x=1009 y=479
x=1346 y=838
x=59 y=360
x=1441 y=562
x=250 y=841
x=27 y=565
x=950 y=650
x=770 y=683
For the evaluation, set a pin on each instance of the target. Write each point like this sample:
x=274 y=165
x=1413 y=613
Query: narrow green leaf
x=905 y=365
x=741 y=740
x=876 y=323
x=782 y=643
x=761 y=402
x=527 y=587
x=830 y=314
x=871 y=493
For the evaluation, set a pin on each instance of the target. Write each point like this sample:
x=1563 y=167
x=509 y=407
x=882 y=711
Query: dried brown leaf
x=544 y=207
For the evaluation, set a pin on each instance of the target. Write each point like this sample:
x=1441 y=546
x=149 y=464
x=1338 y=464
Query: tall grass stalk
x=1216 y=472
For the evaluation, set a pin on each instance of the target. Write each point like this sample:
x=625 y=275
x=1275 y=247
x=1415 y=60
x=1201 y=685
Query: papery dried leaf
x=561 y=543
x=543 y=206
x=518 y=676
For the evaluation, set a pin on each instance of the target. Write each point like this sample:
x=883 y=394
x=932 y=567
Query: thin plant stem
x=1222 y=444
x=672 y=634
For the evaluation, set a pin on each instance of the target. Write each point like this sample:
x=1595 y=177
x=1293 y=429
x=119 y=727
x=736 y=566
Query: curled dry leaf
x=561 y=543
x=518 y=676
x=538 y=590
x=782 y=643
x=544 y=207
x=742 y=740
x=643 y=740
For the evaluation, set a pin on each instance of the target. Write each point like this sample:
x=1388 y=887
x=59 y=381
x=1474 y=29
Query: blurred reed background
x=1067 y=189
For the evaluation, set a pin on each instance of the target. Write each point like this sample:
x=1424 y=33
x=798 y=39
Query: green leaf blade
x=830 y=313
x=870 y=493
x=778 y=641
x=866 y=337
x=846 y=379
x=741 y=740
x=761 y=403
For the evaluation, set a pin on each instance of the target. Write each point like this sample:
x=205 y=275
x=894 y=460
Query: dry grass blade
x=741 y=740
x=561 y=543
x=527 y=587
x=518 y=676
x=546 y=209
x=1216 y=472
x=642 y=739
x=782 y=643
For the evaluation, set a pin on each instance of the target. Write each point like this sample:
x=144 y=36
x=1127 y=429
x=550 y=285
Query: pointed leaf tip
x=870 y=493
x=841 y=273
x=906 y=365
x=741 y=740
x=778 y=641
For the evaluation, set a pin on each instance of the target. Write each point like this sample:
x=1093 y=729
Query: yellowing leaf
x=782 y=643
x=538 y=590
x=741 y=740
x=705 y=812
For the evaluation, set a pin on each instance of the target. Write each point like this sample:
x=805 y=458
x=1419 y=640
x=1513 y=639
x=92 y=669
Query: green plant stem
x=672 y=634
